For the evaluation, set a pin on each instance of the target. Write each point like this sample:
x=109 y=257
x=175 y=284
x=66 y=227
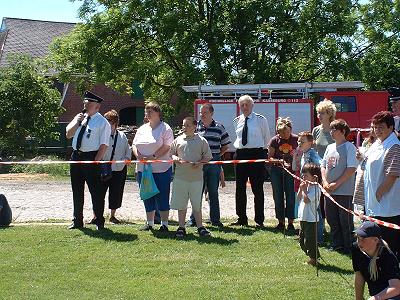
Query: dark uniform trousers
x=89 y=173
x=115 y=186
x=255 y=172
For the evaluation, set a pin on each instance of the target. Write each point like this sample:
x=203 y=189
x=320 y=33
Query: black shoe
x=180 y=232
x=280 y=227
x=290 y=227
x=75 y=225
x=146 y=227
x=238 y=223
x=99 y=227
x=114 y=220
x=219 y=224
x=163 y=228
x=260 y=225
x=203 y=232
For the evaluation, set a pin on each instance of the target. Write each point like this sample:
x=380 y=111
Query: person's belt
x=82 y=153
x=242 y=149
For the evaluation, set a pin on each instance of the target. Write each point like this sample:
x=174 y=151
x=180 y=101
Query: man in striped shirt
x=218 y=140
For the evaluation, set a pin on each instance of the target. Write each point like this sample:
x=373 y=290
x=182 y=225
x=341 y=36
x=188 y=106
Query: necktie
x=244 y=132
x=81 y=133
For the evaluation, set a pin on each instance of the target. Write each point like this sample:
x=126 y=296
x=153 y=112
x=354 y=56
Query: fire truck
x=294 y=100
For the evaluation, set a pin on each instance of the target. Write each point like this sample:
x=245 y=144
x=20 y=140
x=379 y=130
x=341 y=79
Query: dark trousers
x=340 y=221
x=308 y=238
x=115 y=187
x=391 y=236
x=255 y=172
x=89 y=173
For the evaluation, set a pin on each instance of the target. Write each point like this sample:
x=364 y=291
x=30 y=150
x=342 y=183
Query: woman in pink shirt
x=152 y=141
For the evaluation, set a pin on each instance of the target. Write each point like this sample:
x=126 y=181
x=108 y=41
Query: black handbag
x=105 y=169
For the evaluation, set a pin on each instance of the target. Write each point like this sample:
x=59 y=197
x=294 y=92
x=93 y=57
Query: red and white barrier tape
x=214 y=162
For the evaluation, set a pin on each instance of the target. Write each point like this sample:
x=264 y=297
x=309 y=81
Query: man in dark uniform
x=395 y=103
x=90 y=132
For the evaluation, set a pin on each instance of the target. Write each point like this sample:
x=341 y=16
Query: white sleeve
x=352 y=161
x=105 y=134
x=267 y=134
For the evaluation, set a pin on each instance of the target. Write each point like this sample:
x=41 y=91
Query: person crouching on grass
x=375 y=264
x=189 y=152
x=309 y=196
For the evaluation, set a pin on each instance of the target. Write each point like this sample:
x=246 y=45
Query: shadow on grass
x=194 y=237
x=5 y=226
x=334 y=269
x=241 y=230
x=109 y=235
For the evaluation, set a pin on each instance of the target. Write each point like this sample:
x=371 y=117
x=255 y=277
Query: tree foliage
x=29 y=106
x=380 y=24
x=170 y=43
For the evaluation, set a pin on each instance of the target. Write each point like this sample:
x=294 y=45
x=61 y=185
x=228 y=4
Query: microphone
x=83 y=112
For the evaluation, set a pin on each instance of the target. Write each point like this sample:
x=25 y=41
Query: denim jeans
x=211 y=184
x=282 y=184
x=161 y=200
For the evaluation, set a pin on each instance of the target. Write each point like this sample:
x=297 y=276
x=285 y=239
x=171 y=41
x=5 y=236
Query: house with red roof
x=33 y=37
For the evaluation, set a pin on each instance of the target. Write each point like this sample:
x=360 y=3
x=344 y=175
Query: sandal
x=180 y=232
x=203 y=232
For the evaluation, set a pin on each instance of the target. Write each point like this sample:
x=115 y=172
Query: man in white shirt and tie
x=252 y=137
x=90 y=132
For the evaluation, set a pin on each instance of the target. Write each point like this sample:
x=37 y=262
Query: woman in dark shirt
x=375 y=264
x=282 y=146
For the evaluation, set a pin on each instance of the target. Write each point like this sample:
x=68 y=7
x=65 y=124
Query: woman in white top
x=380 y=186
x=118 y=149
x=153 y=141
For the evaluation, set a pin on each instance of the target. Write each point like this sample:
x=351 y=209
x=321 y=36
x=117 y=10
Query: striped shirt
x=215 y=134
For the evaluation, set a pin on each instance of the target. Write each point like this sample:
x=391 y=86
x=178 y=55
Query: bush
x=51 y=169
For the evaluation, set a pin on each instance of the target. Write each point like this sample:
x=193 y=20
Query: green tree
x=170 y=43
x=380 y=25
x=29 y=106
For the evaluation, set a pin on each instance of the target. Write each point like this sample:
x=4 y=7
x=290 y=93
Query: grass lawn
x=51 y=262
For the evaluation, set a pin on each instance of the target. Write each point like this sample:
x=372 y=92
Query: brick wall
x=112 y=100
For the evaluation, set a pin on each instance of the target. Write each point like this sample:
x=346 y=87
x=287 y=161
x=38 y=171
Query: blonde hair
x=245 y=98
x=283 y=123
x=327 y=106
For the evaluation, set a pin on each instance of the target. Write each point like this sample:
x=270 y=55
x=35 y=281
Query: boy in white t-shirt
x=338 y=169
x=189 y=152
x=309 y=196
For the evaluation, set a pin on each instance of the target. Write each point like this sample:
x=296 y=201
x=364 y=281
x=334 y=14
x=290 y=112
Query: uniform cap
x=394 y=94
x=368 y=229
x=89 y=96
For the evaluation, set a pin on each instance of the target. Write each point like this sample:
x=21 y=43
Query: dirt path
x=38 y=198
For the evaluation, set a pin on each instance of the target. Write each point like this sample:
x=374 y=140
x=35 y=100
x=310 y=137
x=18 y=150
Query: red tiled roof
x=30 y=37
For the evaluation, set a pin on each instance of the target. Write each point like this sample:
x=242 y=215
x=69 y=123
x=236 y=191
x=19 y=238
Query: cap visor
x=360 y=233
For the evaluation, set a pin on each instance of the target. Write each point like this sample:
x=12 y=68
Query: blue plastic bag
x=148 y=187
